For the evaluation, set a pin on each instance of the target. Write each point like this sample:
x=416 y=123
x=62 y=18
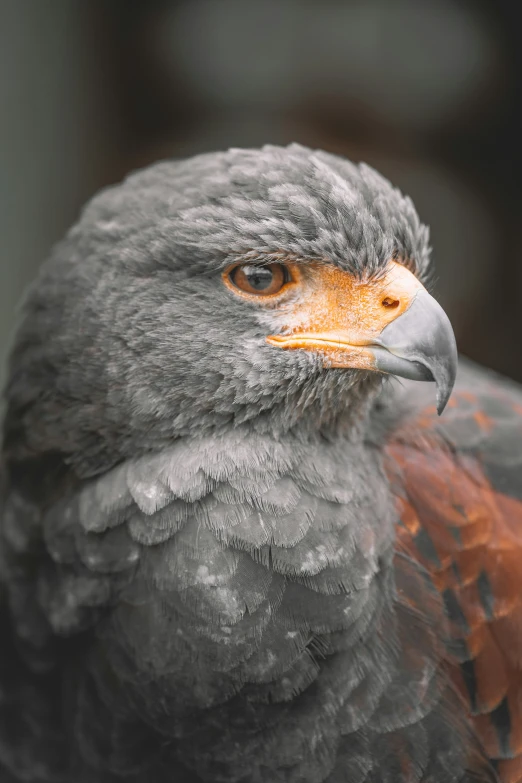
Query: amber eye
x=261 y=280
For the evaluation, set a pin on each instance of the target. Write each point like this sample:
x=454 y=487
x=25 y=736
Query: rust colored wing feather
x=458 y=483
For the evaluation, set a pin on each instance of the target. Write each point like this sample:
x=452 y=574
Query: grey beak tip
x=441 y=404
x=444 y=390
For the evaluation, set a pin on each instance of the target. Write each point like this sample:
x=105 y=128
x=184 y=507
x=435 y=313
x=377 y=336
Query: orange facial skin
x=339 y=315
x=325 y=309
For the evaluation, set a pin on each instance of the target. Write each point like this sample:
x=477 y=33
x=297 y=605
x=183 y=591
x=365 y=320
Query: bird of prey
x=238 y=543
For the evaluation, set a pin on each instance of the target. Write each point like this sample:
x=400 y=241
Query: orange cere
x=338 y=314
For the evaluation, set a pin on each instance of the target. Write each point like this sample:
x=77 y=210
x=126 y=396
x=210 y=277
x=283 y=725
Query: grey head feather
x=129 y=338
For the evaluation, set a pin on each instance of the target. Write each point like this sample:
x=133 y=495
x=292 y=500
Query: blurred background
x=429 y=92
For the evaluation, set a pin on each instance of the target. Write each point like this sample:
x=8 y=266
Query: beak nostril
x=389 y=302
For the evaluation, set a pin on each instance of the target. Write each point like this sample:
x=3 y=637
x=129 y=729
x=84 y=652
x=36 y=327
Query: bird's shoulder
x=457 y=481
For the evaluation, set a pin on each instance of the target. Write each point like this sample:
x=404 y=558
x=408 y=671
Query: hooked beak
x=391 y=326
x=420 y=345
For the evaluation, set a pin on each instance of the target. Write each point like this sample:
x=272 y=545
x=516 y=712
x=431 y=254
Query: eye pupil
x=259 y=277
x=265 y=280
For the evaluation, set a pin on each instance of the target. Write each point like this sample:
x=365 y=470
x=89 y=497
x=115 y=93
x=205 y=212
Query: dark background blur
x=427 y=91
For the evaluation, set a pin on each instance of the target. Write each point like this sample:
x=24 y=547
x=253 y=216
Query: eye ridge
x=260 y=279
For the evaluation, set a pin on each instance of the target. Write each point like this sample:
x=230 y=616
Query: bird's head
x=252 y=287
